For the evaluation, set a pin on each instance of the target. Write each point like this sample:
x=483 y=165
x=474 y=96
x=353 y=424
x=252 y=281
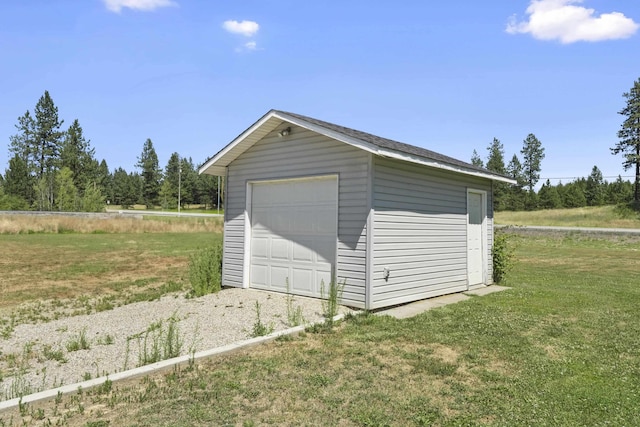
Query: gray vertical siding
x=303 y=153
x=420 y=228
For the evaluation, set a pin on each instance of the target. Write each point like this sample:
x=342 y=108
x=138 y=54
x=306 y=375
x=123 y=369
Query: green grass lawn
x=593 y=216
x=561 y=348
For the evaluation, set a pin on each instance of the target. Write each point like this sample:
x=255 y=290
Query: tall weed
x=205 y=270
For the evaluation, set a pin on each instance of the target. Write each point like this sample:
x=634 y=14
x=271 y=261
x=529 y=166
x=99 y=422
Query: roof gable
x=368 y=142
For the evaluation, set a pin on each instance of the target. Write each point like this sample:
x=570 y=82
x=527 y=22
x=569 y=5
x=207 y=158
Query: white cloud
x=246 y=28
x=568 y=22
x=249 y=46
x=146 y=5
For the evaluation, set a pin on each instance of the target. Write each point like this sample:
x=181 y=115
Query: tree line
x=590 y=191
x=55 y=169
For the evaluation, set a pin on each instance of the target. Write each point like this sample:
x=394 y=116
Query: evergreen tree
x=533 y=153
x=12 y=203
x=548 y=197
x=206 y=192
x=594 y=189
x=104 y=180
x=126 y=188
x=574 y=195
x=495 y=163
x=620 y=191
x=516 y=195
x=172 y=180
x=78 y=155
x=38 y=145
x=189 y=178
x=151 y=174
x=476 y=160
x=22 y=147
x=92 y=199
x=18 y=181
x=48 y=136
x=629 y=137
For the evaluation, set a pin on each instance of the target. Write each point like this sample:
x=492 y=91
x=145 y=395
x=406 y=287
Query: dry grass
x=52 y=261
x=29 y=224
x=600 y=216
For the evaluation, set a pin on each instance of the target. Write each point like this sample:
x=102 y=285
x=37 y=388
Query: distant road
x=580 y=229
x=160 y=213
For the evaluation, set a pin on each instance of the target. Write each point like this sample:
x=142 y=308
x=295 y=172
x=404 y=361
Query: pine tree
x=629 y=137
x=189 y=178
x=78 y=155
x=18 y=182
x=151 y=174
x=495 y=163
x=172 y=178
x=574 y=195
x=620 y=191
x=595 y=189
x=48 y=137
x=533 y=153
x=548 y=197
x=516 y=194
x=476 y=160
x=22 y=165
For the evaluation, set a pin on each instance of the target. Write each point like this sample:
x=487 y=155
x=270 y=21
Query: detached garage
x=308 y=201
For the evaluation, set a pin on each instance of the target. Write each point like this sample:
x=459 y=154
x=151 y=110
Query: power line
x=578 y=177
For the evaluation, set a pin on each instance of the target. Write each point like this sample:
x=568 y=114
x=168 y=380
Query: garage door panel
x=302 y=281
x=298 y=219
x=323 y=278
x=279 y=249
x=260 y=247
x=279 y=276
x=259 y=275
x=302 y=251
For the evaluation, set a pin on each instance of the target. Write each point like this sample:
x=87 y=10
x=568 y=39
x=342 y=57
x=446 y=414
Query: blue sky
x=448 y=76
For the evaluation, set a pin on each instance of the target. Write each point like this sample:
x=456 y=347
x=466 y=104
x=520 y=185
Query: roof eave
x=218 y=163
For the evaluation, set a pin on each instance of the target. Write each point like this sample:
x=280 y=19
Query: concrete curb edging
x=158 y=366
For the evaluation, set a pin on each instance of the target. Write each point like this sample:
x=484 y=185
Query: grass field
x=595 y=216
x=558 y=349
x=67 y=265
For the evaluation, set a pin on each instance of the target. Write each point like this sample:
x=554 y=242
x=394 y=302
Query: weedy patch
x=259 y=328
x=161 y=341
x=294 y=314
x=79 y=342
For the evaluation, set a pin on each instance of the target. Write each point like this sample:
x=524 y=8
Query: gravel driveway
x=38 y=357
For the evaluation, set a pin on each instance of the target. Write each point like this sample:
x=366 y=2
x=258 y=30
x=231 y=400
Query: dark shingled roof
x=391 y=144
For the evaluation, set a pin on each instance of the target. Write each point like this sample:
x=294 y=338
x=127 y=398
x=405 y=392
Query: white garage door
x=294 y=234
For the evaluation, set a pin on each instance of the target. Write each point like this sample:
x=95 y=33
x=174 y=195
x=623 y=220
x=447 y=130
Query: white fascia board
x=222 y=153
x=330 y=133
x=371 y=148
x=438 y=165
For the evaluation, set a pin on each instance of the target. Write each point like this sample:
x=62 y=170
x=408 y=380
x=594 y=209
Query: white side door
x=476 y=237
